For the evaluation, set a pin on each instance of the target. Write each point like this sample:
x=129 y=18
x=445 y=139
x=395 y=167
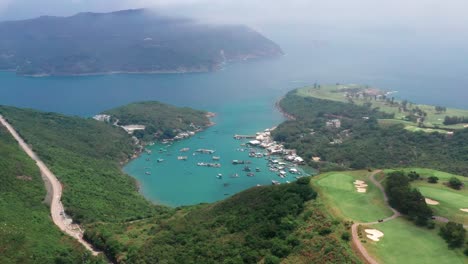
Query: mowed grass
x=433 y=118
x=340 y=196
x=404 y=242
x=450 y=200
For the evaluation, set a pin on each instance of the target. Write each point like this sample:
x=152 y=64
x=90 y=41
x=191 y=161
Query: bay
x=423 y=68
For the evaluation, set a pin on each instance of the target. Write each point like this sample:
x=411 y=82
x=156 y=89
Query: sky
x=420 y=14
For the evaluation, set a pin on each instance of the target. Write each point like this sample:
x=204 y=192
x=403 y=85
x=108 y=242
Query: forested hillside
x=270 y=224
x=85 y=155
x=27 y=233
x=134 y=41
x=162 y=121
x=360 y=142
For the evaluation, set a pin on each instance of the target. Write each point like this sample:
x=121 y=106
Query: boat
x=275 y=182
x=257 y=169
x=182 y=157
x=216 y=158
x=206 y=151
x=235 y=162
x=148 y=173
x=219 y=176
x=184 y=149
x=160 y=160
x=247 y=168
x=235 y=175
x=250 y=174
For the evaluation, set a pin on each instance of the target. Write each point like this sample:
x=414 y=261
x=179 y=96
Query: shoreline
x=282 y=111
x=140 y=149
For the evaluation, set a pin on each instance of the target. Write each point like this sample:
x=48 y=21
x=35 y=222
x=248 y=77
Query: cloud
x=424 y=14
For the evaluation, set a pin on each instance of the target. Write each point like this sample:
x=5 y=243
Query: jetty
x=238 y=137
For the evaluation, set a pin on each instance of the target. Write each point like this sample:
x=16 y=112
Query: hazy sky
x=422 y=14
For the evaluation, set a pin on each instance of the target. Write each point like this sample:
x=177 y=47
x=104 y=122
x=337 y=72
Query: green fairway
x=404 y=242
x=451 y=201
x=433 y=119
x=341 y=197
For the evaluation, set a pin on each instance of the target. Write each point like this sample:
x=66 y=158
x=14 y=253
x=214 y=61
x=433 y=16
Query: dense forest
x=265 y=223
x=360 y=142
x=27 y=234
x=85 y=155
x=125 y=41
x=161 y=120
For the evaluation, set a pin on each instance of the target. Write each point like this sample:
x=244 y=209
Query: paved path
x=56 y=207
x=354 y=228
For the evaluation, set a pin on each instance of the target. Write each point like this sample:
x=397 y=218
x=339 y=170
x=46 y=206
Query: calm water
x=427 y=69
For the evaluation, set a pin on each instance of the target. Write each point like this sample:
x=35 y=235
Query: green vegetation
x=359 y=142
x=450 y=200
x=27 y=234
x=408 y=201
x=404 y=242
x=339 y=194
x=125 y=41
x=161 y=120
x=85 y=155
x=455 y=183
x=430 y=117
x=267 y=224
x=454 y=234
x=270 y=223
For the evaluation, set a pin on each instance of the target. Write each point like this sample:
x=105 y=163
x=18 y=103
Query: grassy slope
x=450 y=200
x=328 y=92
x=341 y=196
x=27 y=234
x=404 y=242
x=84 y=154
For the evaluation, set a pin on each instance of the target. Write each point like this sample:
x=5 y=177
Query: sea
x=423 y=68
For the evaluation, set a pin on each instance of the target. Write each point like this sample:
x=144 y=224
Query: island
x=128 y=41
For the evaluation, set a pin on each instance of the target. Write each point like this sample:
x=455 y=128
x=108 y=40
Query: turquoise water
x=423 y=68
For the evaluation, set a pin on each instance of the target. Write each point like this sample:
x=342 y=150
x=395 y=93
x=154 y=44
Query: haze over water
x=424 y=69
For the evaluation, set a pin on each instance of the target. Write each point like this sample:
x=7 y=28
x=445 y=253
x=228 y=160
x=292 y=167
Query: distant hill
x=132 y=41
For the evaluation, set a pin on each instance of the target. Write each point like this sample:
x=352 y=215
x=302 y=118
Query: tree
x=432 y=179
x=413 y=175
x=455 y=183
x=454 y=234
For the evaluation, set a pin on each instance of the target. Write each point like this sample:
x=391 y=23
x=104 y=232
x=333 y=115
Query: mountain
x=132 y=41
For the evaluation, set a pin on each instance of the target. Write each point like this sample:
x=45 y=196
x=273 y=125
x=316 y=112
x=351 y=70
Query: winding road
x=57 y=211
x=354 y=228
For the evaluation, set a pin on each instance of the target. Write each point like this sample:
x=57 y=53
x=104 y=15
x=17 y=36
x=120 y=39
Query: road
x=56 y=207
x=354 y=228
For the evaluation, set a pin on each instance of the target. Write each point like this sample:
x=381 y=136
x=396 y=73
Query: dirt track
x=56 y=207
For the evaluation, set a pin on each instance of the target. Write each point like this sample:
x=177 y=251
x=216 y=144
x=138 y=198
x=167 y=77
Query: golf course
x=434 y=120
x=450 y=201
x=414 y=244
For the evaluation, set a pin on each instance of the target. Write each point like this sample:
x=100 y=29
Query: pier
x=245 y=136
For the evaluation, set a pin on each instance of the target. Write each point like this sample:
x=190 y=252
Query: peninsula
x=128 y=41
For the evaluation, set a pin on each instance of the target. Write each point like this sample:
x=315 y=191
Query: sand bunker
x=431 y=202
x=360 y=186
x=464 y=210
x=374 y=234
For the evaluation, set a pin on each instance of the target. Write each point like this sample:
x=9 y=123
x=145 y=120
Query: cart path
x=57 y=212
x=354 y=228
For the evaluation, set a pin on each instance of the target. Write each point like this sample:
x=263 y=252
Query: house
x=334 y=123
